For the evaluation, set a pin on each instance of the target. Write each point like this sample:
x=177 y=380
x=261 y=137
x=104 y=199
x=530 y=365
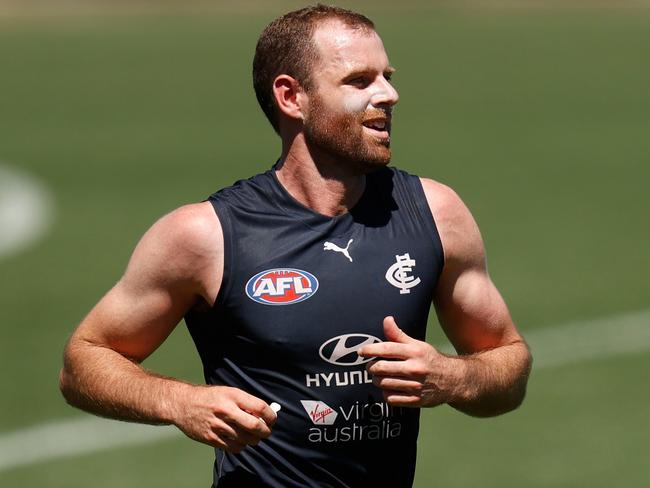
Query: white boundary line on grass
x=560 y=345
x=26 y=210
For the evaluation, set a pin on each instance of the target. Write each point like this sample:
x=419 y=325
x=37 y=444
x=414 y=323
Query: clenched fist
x=223 y=417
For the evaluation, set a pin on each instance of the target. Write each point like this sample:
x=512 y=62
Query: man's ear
x=289 y=96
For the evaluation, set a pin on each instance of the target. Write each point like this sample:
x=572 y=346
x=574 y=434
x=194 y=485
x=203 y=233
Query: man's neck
x=323 y=185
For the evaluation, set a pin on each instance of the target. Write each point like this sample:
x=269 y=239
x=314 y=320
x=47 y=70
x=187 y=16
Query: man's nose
x=386 y=94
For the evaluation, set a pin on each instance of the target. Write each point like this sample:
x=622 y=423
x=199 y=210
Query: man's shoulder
x=458 y=230
x=440 y=196
x=183 y=250
x=192 y=220
x=188 y=233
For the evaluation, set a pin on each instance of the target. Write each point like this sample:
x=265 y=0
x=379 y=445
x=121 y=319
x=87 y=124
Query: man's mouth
x=378 y=127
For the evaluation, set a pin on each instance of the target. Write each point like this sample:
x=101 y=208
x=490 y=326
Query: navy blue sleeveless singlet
x=300 y=294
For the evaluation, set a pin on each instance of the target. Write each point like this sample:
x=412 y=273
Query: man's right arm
x=177 y=264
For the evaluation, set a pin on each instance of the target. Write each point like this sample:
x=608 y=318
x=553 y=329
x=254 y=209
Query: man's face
x=349 y=106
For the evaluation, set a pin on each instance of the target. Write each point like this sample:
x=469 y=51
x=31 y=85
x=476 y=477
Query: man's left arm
x=489 y=375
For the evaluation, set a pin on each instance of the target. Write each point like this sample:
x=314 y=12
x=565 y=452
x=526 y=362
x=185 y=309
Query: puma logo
x=330 y=246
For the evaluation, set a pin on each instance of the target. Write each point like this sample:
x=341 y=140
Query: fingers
x=404 y=368
x=250 y=417
x=242 y=438
x=393 y=333
x=225 y=436
x=412 y=369
x=396 y=399
x=257 y=408
x=227 y=444
x=398 y=385
x=395 y=346
x=226 y=418
x=392 y=350
x=247 y=425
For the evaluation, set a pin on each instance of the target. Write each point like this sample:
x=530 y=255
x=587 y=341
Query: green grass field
x=539 y=118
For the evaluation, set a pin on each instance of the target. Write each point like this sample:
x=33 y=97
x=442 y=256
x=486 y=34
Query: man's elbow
x=68 y=382
x=515 y=393
x=66 y=386
x=522 y=381
x=514 y=400
x=500 y=406
x=508 y=397
x=514 y=396
x=493 y=407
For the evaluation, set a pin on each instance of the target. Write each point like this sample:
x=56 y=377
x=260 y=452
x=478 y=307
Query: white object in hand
x=275 y=407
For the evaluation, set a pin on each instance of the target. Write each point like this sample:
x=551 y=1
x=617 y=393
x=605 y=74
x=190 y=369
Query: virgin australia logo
x=398 y=274
x=343 y=350
x=320 y=413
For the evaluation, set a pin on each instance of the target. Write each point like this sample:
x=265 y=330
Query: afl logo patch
x=281 y=286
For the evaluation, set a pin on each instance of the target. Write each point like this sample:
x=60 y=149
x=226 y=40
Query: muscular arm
x=489 y=375
x=177 y=264
x=493 y=357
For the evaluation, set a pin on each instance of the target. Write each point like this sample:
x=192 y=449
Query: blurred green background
x=537 y=114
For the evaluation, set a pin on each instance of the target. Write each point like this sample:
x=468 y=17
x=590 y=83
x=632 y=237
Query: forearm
x=102 y=381
x=492 y=382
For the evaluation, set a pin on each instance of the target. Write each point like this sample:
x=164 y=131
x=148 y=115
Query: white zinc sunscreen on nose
x=360 y=102
x=356 y=104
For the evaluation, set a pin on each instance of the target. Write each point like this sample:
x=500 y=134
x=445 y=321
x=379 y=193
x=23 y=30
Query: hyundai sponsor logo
x=281 y=286
x=343 y=350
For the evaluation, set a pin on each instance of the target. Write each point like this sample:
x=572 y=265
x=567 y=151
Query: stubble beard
x=342 y=137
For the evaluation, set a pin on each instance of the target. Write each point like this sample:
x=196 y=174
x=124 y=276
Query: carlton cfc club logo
x=281 y=286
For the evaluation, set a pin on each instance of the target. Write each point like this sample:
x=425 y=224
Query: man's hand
x=224 y=417
x=411 y=373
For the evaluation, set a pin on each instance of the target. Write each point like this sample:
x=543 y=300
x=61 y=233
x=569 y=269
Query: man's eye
x=361 y=81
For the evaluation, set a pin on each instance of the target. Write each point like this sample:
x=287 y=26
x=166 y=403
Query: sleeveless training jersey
x=300 y=294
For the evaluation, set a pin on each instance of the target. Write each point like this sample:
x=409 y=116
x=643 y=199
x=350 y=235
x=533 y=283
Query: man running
x=309 y=286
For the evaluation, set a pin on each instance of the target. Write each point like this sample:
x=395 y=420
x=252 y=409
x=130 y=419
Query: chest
x=301 y=294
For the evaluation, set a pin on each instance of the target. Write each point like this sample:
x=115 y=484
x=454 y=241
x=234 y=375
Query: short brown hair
x=286 y=47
